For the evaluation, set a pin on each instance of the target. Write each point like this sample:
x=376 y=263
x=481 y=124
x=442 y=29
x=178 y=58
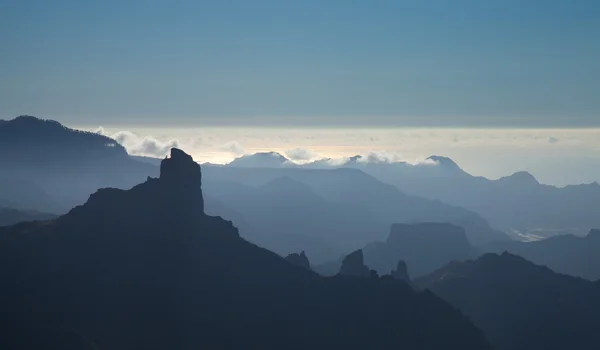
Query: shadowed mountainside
x=57 y=167
x=519 y=305
x=568 y=254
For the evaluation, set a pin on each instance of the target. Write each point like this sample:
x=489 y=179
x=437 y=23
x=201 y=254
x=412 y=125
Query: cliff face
x=146 y=268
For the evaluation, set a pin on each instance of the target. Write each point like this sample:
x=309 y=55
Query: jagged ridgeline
x=146 y=268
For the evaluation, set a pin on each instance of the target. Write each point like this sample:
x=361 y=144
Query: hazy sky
x=555 y=156
x=459 y=63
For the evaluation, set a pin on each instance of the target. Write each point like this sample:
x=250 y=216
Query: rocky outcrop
x=353 y=265
x=183 y=179
x=424 y=247
x=401 y=272
x=299 y=260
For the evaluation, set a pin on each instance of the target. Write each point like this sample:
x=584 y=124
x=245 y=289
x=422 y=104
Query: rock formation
x=424 y=247
x=401 y=272
x=353 y=265
x=299 y=260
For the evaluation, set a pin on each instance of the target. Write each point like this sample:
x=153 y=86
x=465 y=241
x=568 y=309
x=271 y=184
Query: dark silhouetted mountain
x=353 y=265
x=66 y=164
x=145 y=268
x=299 y=260
x=262 y=160
x=10 y=216
x=519 y=305
x=385 y=203
x=568 y=254
x=424 y=247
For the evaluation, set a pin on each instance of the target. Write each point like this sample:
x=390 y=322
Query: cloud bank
x=301 y=154
x=141 y=146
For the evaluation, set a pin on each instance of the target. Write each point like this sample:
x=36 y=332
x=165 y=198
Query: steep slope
x=568 y=254
x=147 y=269
x=519 y=305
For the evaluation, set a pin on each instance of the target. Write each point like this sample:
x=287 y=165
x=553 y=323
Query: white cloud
x=301 y=154
x=141 y=146
x=233 y=147
x=381 y=157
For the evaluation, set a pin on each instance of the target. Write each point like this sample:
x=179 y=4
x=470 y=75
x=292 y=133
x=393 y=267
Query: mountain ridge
x=147 y=268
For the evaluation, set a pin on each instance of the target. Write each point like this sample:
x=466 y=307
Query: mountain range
x=146 y=268
x=517 y=204
x=348 y=208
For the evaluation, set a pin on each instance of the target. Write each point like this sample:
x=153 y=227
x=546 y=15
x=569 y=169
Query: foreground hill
x=519 y=305
x=568 y=254
x=147 y=269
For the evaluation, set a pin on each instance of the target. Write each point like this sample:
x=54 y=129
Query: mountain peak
x=521 y=177
x=183 y=177
x=444 y=162
x=261 y=160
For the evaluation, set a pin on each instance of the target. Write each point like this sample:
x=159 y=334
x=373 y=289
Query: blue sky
x=492 y=63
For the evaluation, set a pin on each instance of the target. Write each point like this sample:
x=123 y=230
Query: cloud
x=141 y=146
x=379 y=157
x=233 y=147
x=552 y=139
x=301 y=154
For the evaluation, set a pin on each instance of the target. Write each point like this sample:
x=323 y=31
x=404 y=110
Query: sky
x=497 y=85
x=311 y=63
x=554 y=156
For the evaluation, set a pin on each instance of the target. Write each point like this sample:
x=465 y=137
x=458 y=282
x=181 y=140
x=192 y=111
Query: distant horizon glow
x=554 y=156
